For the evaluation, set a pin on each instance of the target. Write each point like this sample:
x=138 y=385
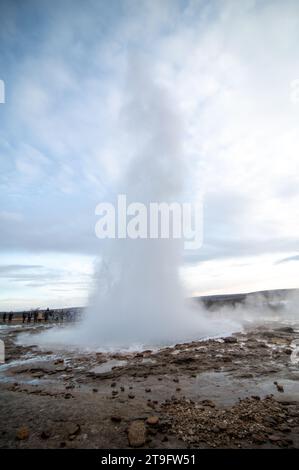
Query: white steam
x=137 y=298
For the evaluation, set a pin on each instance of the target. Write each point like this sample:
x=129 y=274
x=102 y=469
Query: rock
x=270 y=420
x=227 y=359
x=222 y=426
x=116 y=418
x=284 y=428
x=274 y=438
x=22 y=433
x=152 y=420
x=67 y=396
x=279 y=387
x=37 y=375
x=95 y=390
x=137 y=434
x=258 y=439
x=184 y=360
x=230 y=340
x=70 y=386
x=131 y=396
x=59 y=361
x=72 y=430
x=148 y=390
x=285 y=329
x=113 y=384
x=208 y=403
x=45 y=434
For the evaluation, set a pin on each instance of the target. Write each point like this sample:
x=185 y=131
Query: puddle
x=295 y=354
x=25 y=361
x=225 y=390
x=13 y=380
x=108 y=366
x=147 y=360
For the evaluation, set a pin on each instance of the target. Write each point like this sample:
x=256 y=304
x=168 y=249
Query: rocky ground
x=236 y=392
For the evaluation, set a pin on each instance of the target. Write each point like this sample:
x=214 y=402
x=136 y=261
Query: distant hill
x=276 y=295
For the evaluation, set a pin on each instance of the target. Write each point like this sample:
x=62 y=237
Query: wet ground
x=240 y=391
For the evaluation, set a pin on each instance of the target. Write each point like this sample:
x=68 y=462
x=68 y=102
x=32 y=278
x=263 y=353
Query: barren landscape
x=240 y=391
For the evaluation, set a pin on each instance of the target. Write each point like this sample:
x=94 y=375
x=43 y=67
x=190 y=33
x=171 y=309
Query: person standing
x=24 y=316
x=10 y=317
x=4 y=317
x=46 y=315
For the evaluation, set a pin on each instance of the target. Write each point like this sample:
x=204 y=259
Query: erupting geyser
x=137 y=298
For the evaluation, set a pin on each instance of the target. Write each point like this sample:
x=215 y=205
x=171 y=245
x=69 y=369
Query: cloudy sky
x=232 y=69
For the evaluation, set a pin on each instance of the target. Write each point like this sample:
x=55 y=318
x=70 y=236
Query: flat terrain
x=241 y=391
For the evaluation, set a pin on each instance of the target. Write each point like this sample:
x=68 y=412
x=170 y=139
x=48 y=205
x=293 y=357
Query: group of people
x=39 y=316
x=9 y=317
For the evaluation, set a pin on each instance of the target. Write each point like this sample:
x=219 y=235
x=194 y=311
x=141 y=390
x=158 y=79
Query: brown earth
x=241 y=391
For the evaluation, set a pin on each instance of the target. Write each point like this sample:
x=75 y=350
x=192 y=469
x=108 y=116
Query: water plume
x=137 y=298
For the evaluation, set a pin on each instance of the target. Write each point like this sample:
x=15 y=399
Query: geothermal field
x=149 y=231
x=239 y=390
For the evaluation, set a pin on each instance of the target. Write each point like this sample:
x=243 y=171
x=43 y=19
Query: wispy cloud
x=229 y=66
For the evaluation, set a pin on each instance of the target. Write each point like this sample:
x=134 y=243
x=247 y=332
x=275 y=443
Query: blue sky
x=229 y=65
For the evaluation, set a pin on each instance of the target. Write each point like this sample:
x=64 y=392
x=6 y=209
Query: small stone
x=274 y=438
x=45 y=434
x=72 y=430
x=131 y=396
x=22 y=433
x=148 y=390
x=137 y=434
x=284 y=428
x=222 y=426
x=116 y=418
x=152 y=420
x=258 y=439
x=230 y=340
x=279 y=387
x=113 y=384
x=59 y=361
x=208 y=403
x=95 y=390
